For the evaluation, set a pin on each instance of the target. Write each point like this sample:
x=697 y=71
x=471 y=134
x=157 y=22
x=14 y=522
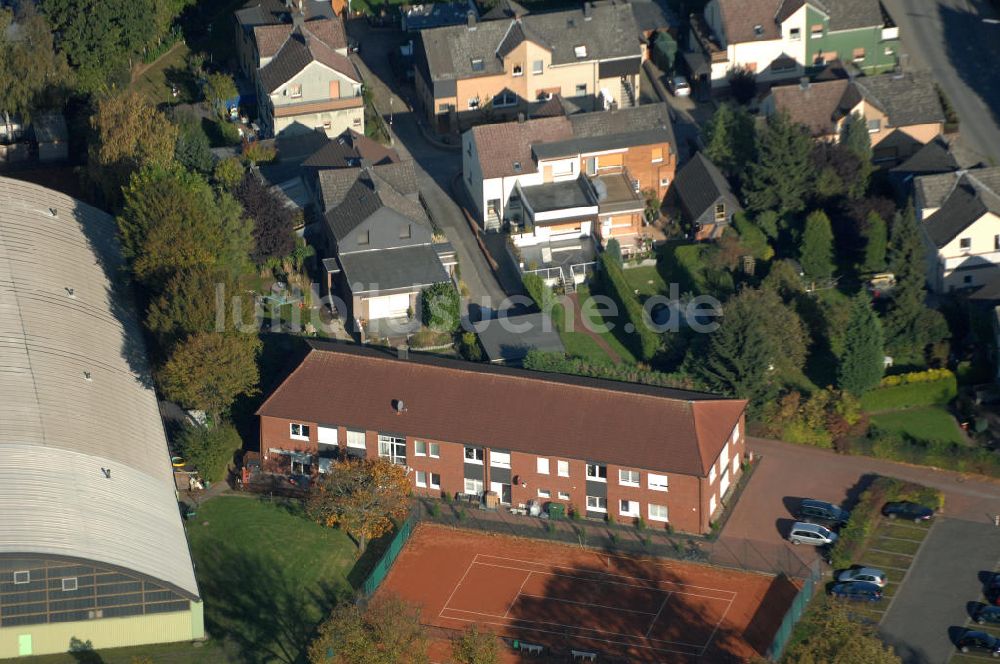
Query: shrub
x=209 y=449
x=644 y=341
x=925 y=388
x=936 y=453
x=752 y=238
x=440 y=307
x=256 y=153
x=640 y=524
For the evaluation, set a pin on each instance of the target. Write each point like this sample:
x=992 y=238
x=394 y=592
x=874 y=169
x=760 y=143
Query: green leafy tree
x=208 y=370
x=273 y=221
x=229 y=173
x=664 y=51
x=173 y=221
x=752 y=238
x=129 y=134
x=816 y=247
x=33 y=75
x=861 y=363
x=781 y=177
x=760 y=343
x=876 y=240
x=769 y=222
x=198 y=300
x=218 y=89
x=469 y=348
x=855 y=137
x=387 y=631
x=475 y=646
x=441 y=307
x=784 y=279
x=192 y=149
x=835 y=637
x=210 y=449
x=742 y=84
x=730 y=140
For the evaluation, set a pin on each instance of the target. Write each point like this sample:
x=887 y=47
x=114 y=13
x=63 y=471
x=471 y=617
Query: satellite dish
x=399 y=406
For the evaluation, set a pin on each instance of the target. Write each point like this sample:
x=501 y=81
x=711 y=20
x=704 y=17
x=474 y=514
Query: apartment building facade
x=610 y=450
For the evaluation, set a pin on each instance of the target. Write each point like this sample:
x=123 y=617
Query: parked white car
x=679 y=87
x=811 y=533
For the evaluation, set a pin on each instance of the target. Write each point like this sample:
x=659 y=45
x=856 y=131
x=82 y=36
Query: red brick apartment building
x=615 y=449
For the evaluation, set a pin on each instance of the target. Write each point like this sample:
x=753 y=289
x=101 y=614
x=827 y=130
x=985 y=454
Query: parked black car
x=818 y=510
x=907 y=510
x=859 y=591
x=993 y=589
x=979 y=641
x=987 y=614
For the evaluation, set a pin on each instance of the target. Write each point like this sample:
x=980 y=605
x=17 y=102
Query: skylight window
x=477 y=64
x=580 y=51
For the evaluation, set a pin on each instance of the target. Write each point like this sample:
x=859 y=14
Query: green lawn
x=647 y=280
x=167 y=653
x=597 y=321
x=154 y=83
x=583 y=346
x=268 y=575
x=927 y=423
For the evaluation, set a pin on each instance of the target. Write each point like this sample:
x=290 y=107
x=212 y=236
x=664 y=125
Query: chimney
x=587 y=11
x=470 y=20
x=520 y=117
x=804 y=83
x=403 y=352
x=298 y=18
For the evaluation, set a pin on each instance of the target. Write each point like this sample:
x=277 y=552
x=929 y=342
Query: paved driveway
x=788 y=472
x=950 y=39
x=944 y=578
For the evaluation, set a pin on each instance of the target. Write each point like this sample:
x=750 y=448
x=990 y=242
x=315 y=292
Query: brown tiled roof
x=301 y=48
x=816 y=107
x=347 y=151
x=740 y=16
x=626 y=424
x=501 y=145
x=270 y=38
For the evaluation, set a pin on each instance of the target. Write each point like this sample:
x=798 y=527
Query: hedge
x=855 y=535
x=911 y=394
x=936 y=453
x=643 y=341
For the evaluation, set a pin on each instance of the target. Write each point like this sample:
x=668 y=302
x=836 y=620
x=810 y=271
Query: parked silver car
x=867 y=574
x=811 y=533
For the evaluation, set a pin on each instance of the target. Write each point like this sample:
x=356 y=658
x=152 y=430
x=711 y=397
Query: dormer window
x=518 y=71
x=758 y=30
x=517 y=167
x=295 y=91
x=720 y=213
x=478 y=65
x=580 y=51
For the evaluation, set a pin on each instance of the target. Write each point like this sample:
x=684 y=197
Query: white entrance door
x=388 y=306
x=502 y=490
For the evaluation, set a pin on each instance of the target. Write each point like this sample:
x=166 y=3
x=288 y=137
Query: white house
x=959 y=214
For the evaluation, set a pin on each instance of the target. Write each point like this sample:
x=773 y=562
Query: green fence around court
x=792 y=616
x=382 y=567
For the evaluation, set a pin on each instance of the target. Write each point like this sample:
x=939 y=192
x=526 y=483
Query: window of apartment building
x=392 y=448
x=298 y=431
x=657 y=155
x=657 y=482
x=736 y=429
x=658 y=513
x=711 y=504
x=356 y=439
x=537 y=67
x=326 y=122
x=723 y=480
x=562 y=468
x=518 y=71
x=597 y=503
x=629 y=508
x=474 y=102
x=859 y=55
x=874 y=126
x=421 y=478
x=544 y=493
x=628 y=477
x=435 y=480
x=295 y=91
x=723 y=458
x=636 y=187
x=542 y=466
x=597 y=472
x=356 y=122
x=664 y=182
x=580 y=51
x=474 y=455
x=965 y=243
x=563 y=495
x=20 y=578
x=736 y=464
x=326 y=435
x=419 y=448
x=795 y=34
x=499 y=459
x=581 y=89
x=444 y=108
x=69 y=584
x=363 y=238
x=711 y=474
x=478 y=64
x=405 y=232
x=816 y=29
x=505 y=98
x=720 y=213
x=434 y=450
x=473 y=487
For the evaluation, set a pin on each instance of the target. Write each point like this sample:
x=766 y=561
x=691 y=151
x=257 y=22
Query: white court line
x=618 y=576
x=622 y=583
x=566 y=627
x=455 y=589
x=511 y=605
x=596 y=606
x=716 y=628
x=657 y=616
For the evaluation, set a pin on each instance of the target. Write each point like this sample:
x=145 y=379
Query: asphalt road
x=933 y=601
x=950 y=39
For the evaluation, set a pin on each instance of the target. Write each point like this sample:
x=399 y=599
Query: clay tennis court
x=572 y=598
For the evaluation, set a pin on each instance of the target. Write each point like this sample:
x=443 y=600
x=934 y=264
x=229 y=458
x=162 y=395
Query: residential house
x=959 y=214
x=378 y=243
x=492 y=69
x=608 y=448
x=902 y=110
x=705 y=200
x=256 y=13
x=600 y=161
x=423 y=16
x=933 y=158
x=781 y=39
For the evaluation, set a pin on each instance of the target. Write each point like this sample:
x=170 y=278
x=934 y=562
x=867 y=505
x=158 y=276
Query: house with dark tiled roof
x=296 y=55
x=703 y=196
x=498 y=68
x=594 y=167
x=613 y=450
x=903 y=111
x=959 y=215
x=782 y=39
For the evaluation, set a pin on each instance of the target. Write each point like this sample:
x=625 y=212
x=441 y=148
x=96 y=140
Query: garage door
x=388 y=306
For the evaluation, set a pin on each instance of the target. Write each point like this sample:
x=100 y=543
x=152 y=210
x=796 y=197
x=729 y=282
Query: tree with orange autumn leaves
x=361 y=496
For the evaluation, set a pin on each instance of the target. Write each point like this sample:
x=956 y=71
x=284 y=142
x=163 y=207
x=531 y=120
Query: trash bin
x=557 y=511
